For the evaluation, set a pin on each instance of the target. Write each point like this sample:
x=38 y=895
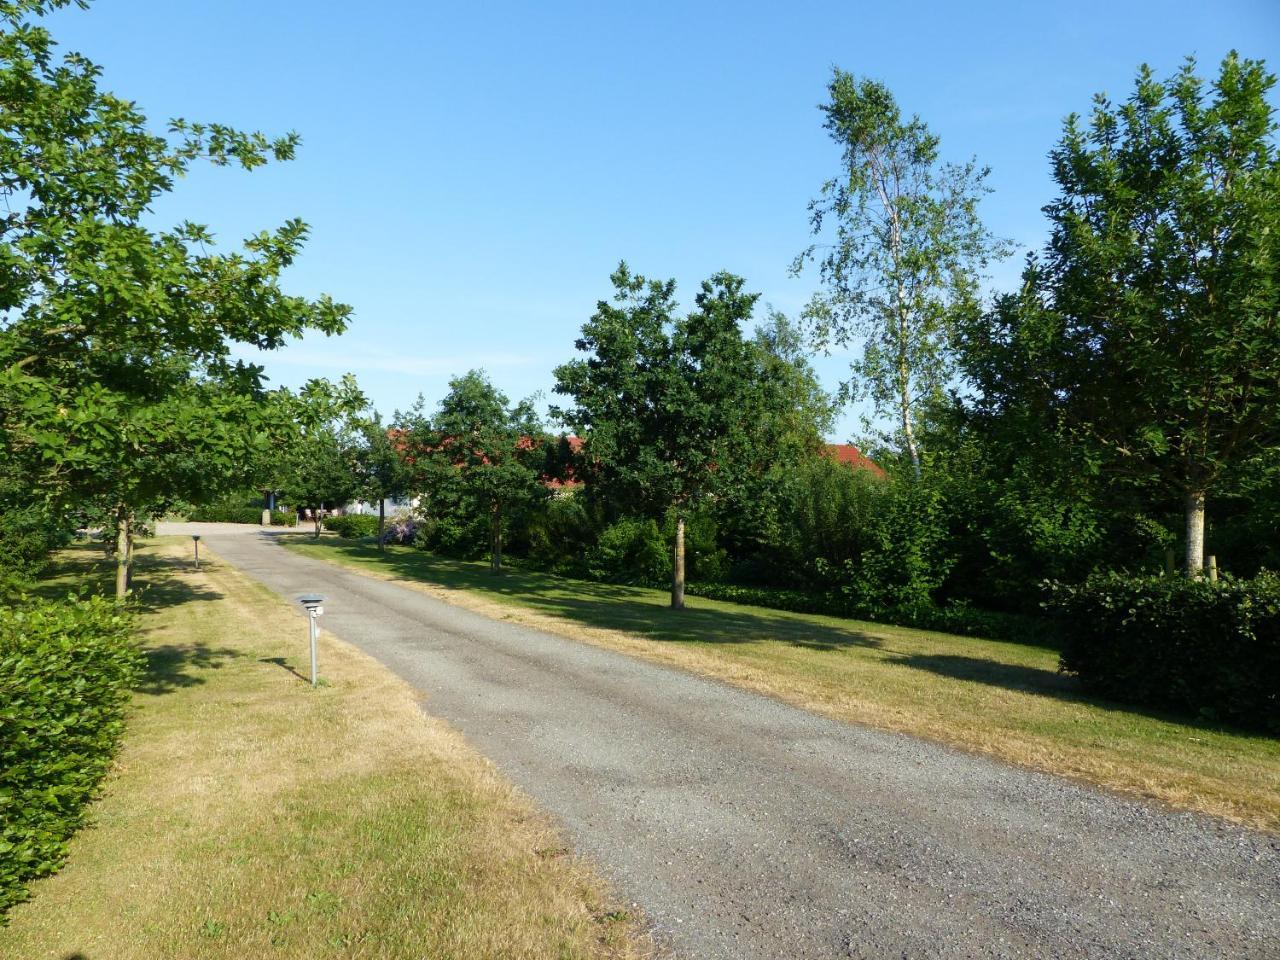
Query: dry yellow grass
x=1000 y=699
x=250 y=815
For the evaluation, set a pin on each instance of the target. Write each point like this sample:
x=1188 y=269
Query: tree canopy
x=906 y=254
x=1147 y=334
x=117 y=378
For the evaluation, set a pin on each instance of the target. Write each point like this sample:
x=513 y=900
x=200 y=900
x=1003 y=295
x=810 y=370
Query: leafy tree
x=907 y=253
x=319 y=465
x=1146 y=337
x=481 y=450
x=116 y=376
x=381 y=467
x=667 y=407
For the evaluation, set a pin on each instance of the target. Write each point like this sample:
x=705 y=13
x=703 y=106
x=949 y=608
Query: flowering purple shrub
x=400 y=530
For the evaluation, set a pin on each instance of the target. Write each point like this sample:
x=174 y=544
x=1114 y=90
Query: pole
x=314 y=679
x=1213 y=568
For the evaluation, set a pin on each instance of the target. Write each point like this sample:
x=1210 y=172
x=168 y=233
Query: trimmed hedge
x=224 y=514
x=353 y=526
x=66 y=671
x=955 y=618
x=1209 y=648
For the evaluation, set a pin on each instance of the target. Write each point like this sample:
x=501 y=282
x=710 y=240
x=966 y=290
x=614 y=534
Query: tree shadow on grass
x=156 y=583
x=177 y=666
x=1049 y=683
x=609 y=606
x=1011 y=676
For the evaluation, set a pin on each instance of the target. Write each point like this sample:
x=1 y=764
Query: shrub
x=630 y=551
x=28 y=535
x=66 y=669
x=401 y=529
x=284 y=518
x=1210 y=648
x=561 y=532
x=226 y=514
x=353 y=526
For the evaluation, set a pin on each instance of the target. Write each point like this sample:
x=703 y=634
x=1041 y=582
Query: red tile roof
x=850 y=455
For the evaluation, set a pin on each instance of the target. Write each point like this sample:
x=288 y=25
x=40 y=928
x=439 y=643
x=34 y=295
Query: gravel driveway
x=746 y=828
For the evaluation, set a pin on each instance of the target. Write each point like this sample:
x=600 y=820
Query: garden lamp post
x=313 y=601
x=195 y=540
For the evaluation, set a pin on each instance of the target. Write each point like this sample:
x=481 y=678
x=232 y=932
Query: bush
x=226 y=514
x=402 y=529
x=1209 y=648
x=560 y=534
x=284 y=518
x=66 y=669
x=630 y=551
x=353 y=526
x=28 y=535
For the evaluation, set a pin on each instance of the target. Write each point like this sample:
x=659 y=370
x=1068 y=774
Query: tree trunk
x=382 y=522
x=1195 y=534
x=909 y=435
x=495 y=539
x=124 y=551
x=315 y=519
x=904 y=393
x=677 y=567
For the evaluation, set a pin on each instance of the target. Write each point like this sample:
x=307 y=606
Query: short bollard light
x=313 y=601
x=195 y=539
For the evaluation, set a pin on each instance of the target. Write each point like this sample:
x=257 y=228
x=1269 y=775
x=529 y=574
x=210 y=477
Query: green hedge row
x=66 y=671
x=353 y=526
x=956 y=618
x=222 y=514
x=1209 y=648
x=225 y=514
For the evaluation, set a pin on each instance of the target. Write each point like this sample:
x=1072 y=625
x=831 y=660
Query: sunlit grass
x=1002 y=699
x=251 y=816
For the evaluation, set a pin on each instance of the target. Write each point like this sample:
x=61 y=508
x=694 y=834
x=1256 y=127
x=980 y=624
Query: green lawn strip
x=1003 y=699
x=250 y=815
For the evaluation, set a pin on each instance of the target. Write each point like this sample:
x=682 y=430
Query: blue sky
x=472 y=173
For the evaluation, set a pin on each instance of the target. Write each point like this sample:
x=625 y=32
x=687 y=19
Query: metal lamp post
x=195 y=539
x=313 y=601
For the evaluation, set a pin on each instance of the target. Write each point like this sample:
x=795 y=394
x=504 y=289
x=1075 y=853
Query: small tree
x=907 y=254
x=487 y=451
x=117 y=383
x=665 y=406
x=1148 y=334
x=381 y=467
x=320 y=462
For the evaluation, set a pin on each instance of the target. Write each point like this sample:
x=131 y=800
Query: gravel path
x=745 y=828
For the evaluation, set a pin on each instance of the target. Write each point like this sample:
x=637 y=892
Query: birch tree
x=900 y=252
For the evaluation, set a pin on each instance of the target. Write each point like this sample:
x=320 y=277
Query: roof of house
x=850 y=455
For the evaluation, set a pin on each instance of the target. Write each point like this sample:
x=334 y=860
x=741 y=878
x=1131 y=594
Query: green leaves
x=117 y=379
x=1150 y=326
x=907 y=252
x=66 y=671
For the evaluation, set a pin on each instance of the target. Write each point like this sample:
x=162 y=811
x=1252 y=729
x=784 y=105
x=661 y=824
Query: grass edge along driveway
x=250 y=815
x=1004 y=700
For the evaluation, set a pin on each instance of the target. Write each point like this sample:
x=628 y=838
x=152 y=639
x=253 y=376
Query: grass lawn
x=251 y=816
x=1002 y=699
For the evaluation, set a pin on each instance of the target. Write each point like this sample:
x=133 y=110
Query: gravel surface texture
x=746 y=828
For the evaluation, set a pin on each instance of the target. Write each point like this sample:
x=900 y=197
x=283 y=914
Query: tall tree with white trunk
x=900 y=250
